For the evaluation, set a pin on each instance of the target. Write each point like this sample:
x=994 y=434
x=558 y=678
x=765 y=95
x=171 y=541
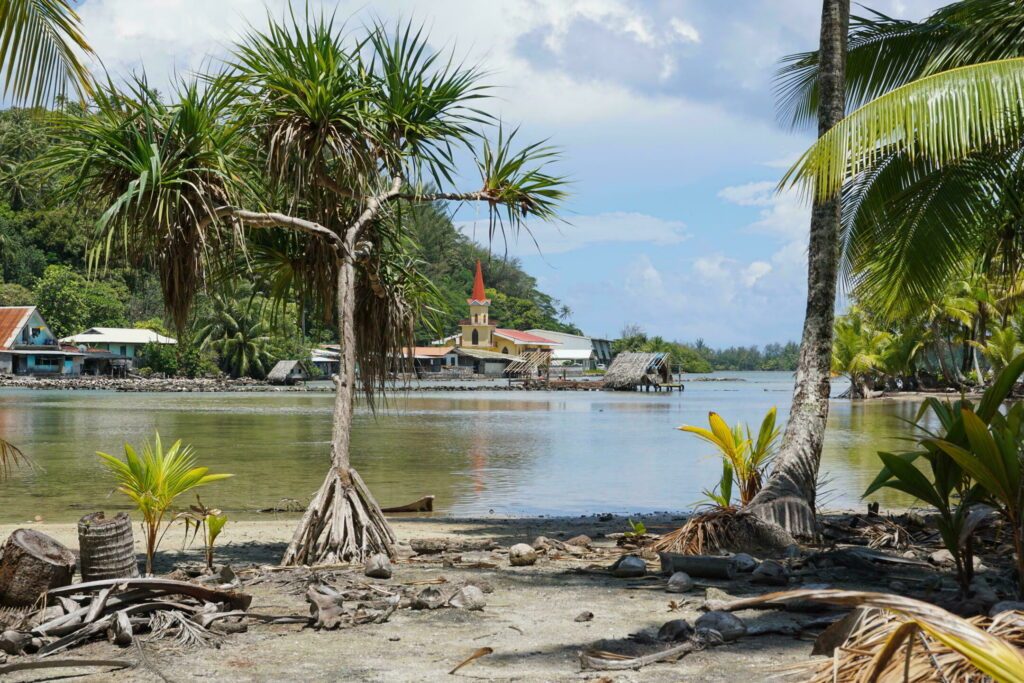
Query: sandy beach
x=530 y=620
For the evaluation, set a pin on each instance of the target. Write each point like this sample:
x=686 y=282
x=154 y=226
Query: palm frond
x=11 y=457
x=39 y=45
x=943 y=118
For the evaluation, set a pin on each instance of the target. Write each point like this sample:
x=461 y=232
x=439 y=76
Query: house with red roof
x=28 y=347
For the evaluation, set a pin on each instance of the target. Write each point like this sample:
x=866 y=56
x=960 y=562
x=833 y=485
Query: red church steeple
x=478 y=285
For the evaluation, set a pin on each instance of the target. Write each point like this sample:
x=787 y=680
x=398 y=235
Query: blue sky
x=665 y=114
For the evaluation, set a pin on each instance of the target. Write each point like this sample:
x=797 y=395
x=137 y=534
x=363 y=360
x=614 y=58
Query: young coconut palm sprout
x=153 y=480
x=745 y=460
x=328 y=137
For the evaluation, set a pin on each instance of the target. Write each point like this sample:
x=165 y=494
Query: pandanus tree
x=328 y=136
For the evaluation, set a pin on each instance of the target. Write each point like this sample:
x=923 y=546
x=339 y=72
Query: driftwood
x=424 y=504
x=610 y=661
x=163 y=586
x=107 y=548
x=702 y=566
x=64 y=664
x=32 y=563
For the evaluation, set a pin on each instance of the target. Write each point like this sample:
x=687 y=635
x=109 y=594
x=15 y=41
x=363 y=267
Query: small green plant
x=153 y=480
x=206 y=520
x=637 y=529
x=744 y=457
x=973 y=460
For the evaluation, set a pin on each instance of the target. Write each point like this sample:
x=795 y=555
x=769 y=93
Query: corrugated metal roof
x=12 y=319
x=430 y=351
x=523 y=337
x=118 y=335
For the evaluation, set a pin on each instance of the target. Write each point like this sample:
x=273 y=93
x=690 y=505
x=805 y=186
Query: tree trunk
x=32 y=563
x=343 y=522
x=106 y=547
x=788 y=498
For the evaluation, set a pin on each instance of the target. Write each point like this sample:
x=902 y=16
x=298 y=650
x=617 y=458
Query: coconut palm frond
x=40 y=42
x=885 y=53
x=942 y=646
x=944 y=117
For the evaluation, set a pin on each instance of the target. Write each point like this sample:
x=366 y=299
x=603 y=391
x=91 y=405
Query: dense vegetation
x=699 y=357
x=44 y=261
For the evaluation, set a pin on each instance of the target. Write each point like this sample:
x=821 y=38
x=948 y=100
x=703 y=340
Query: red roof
x=478 y=285
x=12 y=319
x=523 y=337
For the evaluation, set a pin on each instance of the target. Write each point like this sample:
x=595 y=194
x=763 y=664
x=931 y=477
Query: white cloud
x=686 y=31
x=782 y=214
x=583 y=231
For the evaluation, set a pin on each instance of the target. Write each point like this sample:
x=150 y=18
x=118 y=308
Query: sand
x=529 y=620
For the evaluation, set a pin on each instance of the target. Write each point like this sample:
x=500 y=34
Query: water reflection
x=527 y=453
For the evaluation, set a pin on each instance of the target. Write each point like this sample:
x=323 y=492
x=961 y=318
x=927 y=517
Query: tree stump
x=32 y=563
x=107 y=547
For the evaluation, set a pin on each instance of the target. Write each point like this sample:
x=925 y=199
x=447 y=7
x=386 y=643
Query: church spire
x=478 y=285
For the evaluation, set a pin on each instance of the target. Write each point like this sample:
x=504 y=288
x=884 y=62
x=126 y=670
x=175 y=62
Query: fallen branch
x=232 y=598
x=65 y=664
x=609 y=661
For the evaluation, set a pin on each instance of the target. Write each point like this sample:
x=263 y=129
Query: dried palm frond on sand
x=900 y=639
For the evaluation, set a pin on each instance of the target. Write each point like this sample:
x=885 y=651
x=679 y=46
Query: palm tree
x=39 y=40
x=788 y=497
x=858 y=351
x=239 y=334
x=1002 y=346
x=330 y=140
x=913 y=222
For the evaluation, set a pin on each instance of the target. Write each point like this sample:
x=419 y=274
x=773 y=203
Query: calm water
x=480 y=451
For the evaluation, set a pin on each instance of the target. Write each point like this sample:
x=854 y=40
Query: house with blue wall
x=30 y=348
x=122 y=342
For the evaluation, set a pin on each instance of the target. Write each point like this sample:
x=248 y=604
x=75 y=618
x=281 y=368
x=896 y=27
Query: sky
x=664 y=114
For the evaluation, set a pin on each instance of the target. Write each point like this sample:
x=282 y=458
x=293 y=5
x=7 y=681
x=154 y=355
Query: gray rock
x=584 y=616
x=521 y=555
x=428 y=598
x=377 y=566
x=791 y=552
x=728 y=625
x=680 y=582
x=942 y=558
x=770 y=573
x=1006 y=606
x=744 y=563
x=469 y=598
x=675 y=630
x=629 y=566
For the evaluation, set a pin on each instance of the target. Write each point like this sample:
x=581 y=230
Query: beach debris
x=424 y=504
x=581 y=541
x=469 y=597
x=726 y=624
x=770 y=573
x=744 y=563
x=477 y=654
x=599 y=660
x=838 y=633
x=542 y=544
x=429 y=598
x=1006 y=606
x=701 y=566
x=377 y=566
x=65 y=664
x=31 y=563
x=679 y=582
x=584 y=616
x=521 y=555
x=675 y=630
x=436 y=546
x=329 y=608
x=942 y=558
x=629 y=566
x=106 y=547
x=14 y=642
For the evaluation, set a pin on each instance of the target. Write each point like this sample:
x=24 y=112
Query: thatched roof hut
x=286 y=372
x=631 y=370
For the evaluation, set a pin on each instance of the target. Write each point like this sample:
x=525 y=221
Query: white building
x=572 y=349
x=126 y=342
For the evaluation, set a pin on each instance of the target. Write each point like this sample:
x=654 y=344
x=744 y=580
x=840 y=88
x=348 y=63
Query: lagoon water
x=479 y=452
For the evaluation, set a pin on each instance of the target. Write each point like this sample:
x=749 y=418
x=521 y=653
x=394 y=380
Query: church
x=479 y=333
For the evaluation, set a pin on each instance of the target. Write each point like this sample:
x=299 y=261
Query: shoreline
x=246 y=385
